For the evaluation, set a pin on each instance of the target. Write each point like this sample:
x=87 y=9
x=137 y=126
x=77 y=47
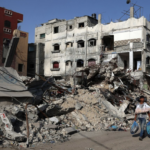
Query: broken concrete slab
x=78 y=106
x=130 y=117
x=54 y=119
x=69 y=130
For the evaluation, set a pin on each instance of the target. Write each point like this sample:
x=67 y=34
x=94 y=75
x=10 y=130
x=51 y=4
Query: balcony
x=55 y=69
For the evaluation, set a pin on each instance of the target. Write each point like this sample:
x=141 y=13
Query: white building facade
x=63 y=46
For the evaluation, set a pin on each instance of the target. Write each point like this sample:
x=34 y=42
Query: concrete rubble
x=105 y=101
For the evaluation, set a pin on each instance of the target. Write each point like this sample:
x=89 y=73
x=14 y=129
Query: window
x=81 y=25
x=55 y=64
x=70 y=27
x=31 y=48
x=80 y=63
x=108 y=42
x=80 y=44
x=42 y=36
x=68 y=62
x=148 y=38
x=56 y=47
x=56 y=29
x=92 y=42
x=147 y=60
x=69 y=44
x=31 y=66
x=7 y=24
x=20 y=67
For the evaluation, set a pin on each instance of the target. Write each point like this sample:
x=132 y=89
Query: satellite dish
x=128 y=1
x=16 y=33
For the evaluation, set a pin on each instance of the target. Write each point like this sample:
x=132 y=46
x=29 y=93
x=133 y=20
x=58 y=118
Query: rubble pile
x=106 y=100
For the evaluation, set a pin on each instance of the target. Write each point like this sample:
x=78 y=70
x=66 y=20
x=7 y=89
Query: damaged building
x=63 y=47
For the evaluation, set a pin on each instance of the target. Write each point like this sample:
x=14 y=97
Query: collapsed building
x=65 y=46
x=35 y=112
x=106 y=65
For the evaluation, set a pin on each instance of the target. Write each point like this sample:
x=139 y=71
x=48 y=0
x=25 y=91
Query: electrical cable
x=9 y=75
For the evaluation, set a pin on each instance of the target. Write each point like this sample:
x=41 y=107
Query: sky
x=37 y=12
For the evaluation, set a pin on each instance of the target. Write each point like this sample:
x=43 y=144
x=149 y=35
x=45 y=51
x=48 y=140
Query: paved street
x=99 y=141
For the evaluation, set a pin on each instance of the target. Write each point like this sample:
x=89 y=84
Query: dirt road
x=99 y=141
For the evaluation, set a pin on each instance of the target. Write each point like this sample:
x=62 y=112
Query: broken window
x=56 y=47
x=69 y=44
x=108 y=42
x=7 y=24
x=147 y=60
x=70 y=27
x=67 y=63
x=137 y=61
x=148 y=38
x=80 y=63
x=92 y=42
x=80 y=43
x=42 y=36
x=20 y=67
x=55 y=64
x=81 y=25
x=56 y=29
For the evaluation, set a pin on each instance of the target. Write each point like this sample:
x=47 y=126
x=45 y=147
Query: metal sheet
x=11 y=84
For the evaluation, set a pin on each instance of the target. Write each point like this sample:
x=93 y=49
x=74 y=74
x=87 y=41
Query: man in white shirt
x=141 y=111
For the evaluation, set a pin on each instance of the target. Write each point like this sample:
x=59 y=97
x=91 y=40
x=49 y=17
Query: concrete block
x=130 y=117
x=78 y=106
x=51 y=126
x=69 y=130
x=54 y=119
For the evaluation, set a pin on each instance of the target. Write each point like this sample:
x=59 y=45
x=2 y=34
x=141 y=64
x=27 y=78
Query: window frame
x=56 y=45
x=57 y=30
x=20 y=70
x=42 y=37
x=79 y=66
x=94 y=42
x=81 y=41
x=6 y=24
x=54 y=63
x=68 y=43
x=80 y=25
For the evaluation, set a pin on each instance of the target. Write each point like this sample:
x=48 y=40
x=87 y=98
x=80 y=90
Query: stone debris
x=106 y=100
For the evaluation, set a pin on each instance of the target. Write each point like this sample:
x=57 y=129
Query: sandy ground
x=107 y=140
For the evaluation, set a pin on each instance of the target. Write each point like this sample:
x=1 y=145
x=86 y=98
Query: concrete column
x=131 y=12
x=131 y=60
x=37 y=60
x=99 y=18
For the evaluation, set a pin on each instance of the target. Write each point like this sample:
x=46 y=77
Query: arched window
x=56 y=47
x=69 y=44
x=55 y=64
x=92 y=42
x=80 y=63
x=80 y=43
x=7 y=24
x=91 y=62
x=69 y=62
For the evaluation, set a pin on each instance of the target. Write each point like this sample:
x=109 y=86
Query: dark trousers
x=142 y=122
